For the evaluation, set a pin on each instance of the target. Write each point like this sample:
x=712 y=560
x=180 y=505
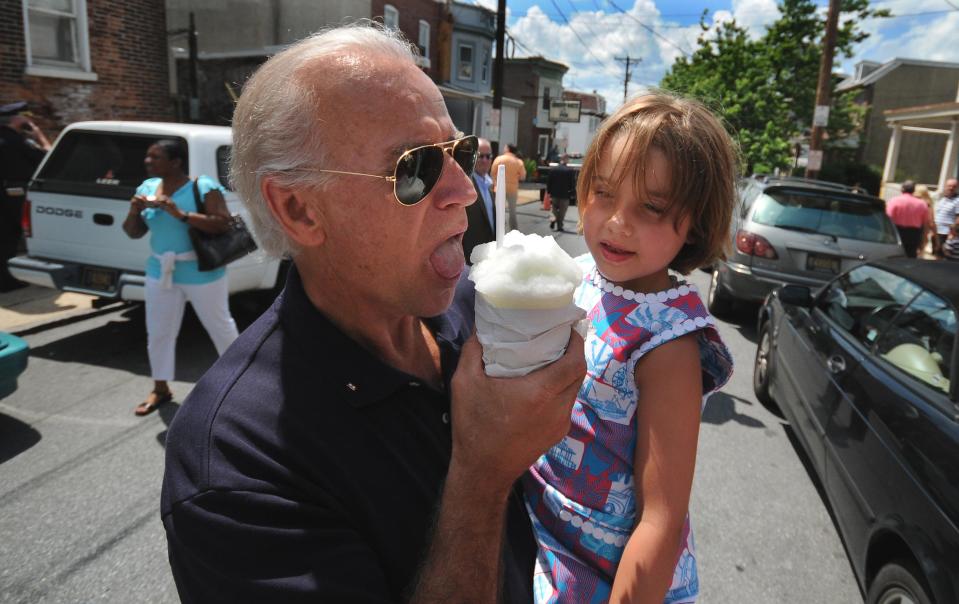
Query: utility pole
x=627 y=60
x=497 y=117
x=823 y=92
x=194 y=82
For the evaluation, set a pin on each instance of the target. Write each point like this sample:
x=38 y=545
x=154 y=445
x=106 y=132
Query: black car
x=865 y=370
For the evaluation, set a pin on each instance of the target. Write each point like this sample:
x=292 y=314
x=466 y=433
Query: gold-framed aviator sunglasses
x=419 y=169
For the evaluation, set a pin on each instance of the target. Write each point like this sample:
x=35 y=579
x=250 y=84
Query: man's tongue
x=447 y=259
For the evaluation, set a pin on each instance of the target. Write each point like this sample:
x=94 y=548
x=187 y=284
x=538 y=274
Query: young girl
x=609 y=502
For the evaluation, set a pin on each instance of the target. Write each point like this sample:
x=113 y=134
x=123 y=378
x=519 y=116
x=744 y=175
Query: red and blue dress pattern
x=580 y=493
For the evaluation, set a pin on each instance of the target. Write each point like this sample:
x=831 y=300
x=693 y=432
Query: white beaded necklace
x=673 y=293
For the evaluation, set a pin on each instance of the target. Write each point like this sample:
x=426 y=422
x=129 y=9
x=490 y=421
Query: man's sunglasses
x=418 y=170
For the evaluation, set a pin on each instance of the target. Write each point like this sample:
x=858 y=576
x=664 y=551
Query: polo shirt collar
x=345 y=368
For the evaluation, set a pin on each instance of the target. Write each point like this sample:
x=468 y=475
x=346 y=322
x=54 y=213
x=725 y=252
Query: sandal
x=149 y=406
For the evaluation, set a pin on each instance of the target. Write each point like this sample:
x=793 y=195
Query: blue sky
x=587 y=35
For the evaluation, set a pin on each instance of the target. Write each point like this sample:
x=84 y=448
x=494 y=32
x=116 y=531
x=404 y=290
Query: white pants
x=165 y=314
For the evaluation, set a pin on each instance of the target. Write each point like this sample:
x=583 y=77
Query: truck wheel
x=898 y=583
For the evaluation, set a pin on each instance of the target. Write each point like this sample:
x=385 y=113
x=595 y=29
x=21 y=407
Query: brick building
x=534 y=81
x=235 y=37
x=419 y=21
x=91 y=59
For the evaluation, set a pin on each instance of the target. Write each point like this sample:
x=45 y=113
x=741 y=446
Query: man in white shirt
x=947 y=210
x=481 y=215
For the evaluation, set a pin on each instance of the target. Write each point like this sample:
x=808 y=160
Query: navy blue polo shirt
x=303 y=469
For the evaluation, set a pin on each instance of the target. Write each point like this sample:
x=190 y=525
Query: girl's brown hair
x=703 y=167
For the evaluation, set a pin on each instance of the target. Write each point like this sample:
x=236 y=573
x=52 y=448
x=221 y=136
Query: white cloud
x=603 y=36
x=592 y=40
x=755 y=15
x=914 y=37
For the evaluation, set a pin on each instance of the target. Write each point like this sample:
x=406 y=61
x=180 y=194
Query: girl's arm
x=669 y=381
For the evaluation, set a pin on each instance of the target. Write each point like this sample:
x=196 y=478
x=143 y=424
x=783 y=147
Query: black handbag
x=214 y=250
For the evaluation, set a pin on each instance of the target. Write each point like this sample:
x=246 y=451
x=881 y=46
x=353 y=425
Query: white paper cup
x=517 y=341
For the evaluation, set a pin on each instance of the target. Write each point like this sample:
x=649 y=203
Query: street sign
x=820 y=118
x=564 y=111
x=494 y=118
x=814 y=161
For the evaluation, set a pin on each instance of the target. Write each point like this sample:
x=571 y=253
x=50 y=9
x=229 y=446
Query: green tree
x=726 y=72
x=766 y=88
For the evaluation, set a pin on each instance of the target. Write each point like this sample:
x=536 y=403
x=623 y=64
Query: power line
x=533 y=52
x=575 y=33
x=923 y=14
x=649 y=29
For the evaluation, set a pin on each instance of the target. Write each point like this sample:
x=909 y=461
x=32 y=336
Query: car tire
x=718 y=302
x=898 y=583
x=762 y=366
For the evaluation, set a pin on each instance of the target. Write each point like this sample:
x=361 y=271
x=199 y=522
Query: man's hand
x=501 y=425
x=30 y=131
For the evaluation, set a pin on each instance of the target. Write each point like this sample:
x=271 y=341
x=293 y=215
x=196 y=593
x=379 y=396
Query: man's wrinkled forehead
x=371 y=96
x=355 y=83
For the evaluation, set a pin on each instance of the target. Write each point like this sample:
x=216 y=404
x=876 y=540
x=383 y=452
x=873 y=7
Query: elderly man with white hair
x=348 y=447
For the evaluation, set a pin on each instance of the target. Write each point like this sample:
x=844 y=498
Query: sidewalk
x=528 y=193
x=34 y=305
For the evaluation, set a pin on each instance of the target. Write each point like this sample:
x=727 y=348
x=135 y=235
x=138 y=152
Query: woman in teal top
x=165 y=206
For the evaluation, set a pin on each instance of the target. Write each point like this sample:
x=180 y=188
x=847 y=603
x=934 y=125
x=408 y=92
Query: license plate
x=826 y=264
x=100 y=279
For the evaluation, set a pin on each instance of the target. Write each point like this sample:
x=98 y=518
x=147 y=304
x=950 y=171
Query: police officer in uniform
x=22 y=147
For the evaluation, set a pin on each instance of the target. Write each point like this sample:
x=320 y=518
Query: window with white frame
x=56 y=36
x=542 y=146
x=424 y=44
x=391 y=17
x=464 y=70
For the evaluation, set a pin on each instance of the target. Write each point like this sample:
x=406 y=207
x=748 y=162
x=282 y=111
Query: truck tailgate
x=84 y=230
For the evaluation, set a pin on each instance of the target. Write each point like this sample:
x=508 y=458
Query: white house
x=574 y=138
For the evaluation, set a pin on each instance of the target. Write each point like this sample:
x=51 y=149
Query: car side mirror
x=796 y=295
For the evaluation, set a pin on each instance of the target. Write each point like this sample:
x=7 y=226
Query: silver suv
x=794 y=230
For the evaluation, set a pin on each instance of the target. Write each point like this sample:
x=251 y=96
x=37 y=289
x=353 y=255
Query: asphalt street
x=80 y=475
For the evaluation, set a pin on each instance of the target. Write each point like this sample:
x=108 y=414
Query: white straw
x=500 y=205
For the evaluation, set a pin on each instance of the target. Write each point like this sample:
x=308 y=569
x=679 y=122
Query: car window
x=865 y=300
x=749 y=195
x=920 y=339
x=99 y=164
x=820 y=213
x=223 y=165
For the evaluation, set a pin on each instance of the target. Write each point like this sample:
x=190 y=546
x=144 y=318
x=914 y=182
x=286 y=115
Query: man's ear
x=295 y=211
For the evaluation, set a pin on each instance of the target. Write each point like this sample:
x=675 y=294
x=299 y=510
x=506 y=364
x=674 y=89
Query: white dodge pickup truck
x=80 y=195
